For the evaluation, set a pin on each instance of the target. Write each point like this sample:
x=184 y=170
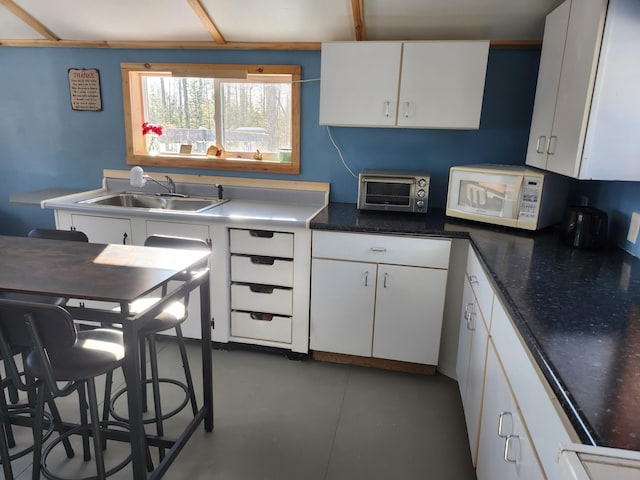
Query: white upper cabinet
x=434 y=84
x=587 y=107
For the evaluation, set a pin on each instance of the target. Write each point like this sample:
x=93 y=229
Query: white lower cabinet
x=505 y=450
x=262 y=285
x=470 y=365
x=378 y=308
x=99 y=229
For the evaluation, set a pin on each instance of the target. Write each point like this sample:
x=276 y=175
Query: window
x=228 y=117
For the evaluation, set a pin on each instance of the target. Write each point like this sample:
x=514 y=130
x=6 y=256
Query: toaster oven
x=393 y=190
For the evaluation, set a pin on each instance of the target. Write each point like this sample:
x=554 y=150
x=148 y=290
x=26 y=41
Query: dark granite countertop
x=577 y=310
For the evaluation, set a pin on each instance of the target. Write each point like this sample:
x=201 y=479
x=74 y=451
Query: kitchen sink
x=153 y=201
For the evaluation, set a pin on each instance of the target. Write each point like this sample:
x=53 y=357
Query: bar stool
x=59 y=353
x=171 y=317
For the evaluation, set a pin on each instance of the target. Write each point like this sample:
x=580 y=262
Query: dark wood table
x=120 y=274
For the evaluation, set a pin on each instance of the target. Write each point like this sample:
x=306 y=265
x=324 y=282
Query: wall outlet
x=634 y=227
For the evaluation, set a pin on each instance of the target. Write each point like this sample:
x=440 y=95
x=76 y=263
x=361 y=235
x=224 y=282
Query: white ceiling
x=229 y=22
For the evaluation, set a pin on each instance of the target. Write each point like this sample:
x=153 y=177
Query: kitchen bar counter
x=577 y=310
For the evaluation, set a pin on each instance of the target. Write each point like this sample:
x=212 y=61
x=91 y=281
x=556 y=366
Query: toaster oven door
x=386 y=194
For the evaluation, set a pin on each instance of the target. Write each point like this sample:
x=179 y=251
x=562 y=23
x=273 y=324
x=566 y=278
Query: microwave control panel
x=530 y=198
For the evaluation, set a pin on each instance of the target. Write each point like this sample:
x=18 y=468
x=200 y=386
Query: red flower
x=156 y=129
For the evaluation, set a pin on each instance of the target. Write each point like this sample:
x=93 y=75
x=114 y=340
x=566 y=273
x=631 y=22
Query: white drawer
x=261 y=298
x=539 y=406
x=261 y=242
x=392 y=249
x=481 y=285
x=259 y=269
x=261 y=326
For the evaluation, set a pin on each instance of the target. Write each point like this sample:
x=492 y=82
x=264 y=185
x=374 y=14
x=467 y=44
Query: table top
x=90 y=271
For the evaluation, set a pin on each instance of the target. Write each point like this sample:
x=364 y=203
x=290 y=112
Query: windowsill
x=214 y=163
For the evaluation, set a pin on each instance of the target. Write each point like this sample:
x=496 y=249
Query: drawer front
x=481 y=286
x=419 y=252
x=259 y=298
x=259 y=269
x=261 y=326
x=540 y=408
x=261 y=242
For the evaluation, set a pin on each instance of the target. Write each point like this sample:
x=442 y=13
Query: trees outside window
x=236 y=117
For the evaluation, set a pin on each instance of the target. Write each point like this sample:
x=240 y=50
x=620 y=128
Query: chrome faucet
x=171 y=184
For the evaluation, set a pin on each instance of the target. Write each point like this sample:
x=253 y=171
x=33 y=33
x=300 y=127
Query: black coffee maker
x=584 y=227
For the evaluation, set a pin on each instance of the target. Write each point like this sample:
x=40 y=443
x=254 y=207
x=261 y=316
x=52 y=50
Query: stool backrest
x=53 y=234
x=47 y=329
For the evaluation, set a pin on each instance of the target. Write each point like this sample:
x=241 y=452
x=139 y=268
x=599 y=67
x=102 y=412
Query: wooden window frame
x=134 y=117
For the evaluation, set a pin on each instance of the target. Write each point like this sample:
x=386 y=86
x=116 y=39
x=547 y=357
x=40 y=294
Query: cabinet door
x=442 y=84
x=580 y=62
x=104 y=229
x=504 y=450
x=470 y=368
x=408 y=313
x=191 y=328
x=342 y=300
x=359 y=84
x=555 y=34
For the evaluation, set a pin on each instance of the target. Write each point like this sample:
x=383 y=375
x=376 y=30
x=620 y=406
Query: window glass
x=242 y=117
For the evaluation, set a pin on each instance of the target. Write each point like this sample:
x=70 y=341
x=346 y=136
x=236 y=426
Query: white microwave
x=509 y=195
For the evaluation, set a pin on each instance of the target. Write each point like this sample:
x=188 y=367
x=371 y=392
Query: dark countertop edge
x=581 y=426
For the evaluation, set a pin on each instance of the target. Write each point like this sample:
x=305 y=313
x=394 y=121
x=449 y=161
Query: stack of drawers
x=261 y=284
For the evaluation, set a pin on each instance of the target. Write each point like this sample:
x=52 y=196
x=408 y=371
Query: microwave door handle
x=516 y=201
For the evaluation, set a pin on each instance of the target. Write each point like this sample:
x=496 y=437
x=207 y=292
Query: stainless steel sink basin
x=151 y=201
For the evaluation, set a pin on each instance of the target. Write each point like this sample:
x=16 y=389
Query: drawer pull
x=265 y=317
x=261 y=289
x=257 y=260
x=507 y=449
x=378 y=249
x=261 y=233
x=501 y=422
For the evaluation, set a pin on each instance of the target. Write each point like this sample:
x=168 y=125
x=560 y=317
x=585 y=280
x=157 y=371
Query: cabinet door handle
x=124 y=238
x=551 y=148
x=406 y=109
x=366 y=279
x=507 y=449
x=541 y=145
x=469 y=316
x=501 y=422
x=473 y=280
x=387 y=108
x=378 y=249
x=384 y=280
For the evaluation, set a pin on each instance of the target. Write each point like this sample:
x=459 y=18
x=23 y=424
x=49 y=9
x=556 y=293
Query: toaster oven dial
x=420 y=204
x=420 y=193
x=422 y=183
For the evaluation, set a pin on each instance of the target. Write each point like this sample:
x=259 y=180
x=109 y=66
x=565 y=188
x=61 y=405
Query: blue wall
x=44 y=143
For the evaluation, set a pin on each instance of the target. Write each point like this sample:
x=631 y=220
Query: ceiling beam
x=29 y=20
x=358 y=19
x=207 y=22
x=167 y=45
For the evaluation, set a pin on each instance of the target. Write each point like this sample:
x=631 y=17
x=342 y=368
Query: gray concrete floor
x=281 y=419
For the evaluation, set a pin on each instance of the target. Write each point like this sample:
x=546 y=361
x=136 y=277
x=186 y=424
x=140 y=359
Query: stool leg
x=143 y=373
x=95 y=427
x=37 y=433
x=187 y=370
x=4 y=449
x=57 y=423
x=153 y=357
x=6 y=423
x=108 y=382
x=82 y=398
